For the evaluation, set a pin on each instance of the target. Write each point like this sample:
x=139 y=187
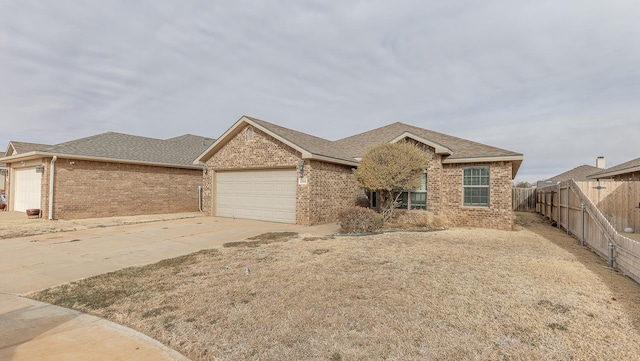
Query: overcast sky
x=558 y=81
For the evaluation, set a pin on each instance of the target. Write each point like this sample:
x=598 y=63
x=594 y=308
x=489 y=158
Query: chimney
x=600 y=162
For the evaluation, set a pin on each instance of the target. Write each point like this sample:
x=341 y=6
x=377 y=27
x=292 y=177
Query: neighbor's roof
x=118 y=147
x=580 y=173
x=350 y=150
x=627 y=167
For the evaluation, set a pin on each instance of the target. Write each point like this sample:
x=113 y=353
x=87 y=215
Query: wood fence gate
x=573 y=211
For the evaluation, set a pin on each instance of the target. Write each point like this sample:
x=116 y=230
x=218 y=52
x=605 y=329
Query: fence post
x=612 y=247
x=568 y=189
x=582 y=237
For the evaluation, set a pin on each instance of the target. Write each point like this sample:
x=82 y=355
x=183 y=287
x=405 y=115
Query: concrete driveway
x=32 y=330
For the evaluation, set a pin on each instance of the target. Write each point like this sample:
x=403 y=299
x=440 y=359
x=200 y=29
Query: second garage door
x=26 y=193
x=268 y=195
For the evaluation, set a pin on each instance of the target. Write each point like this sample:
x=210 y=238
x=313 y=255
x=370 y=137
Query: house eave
x=606 y=174
x=39 y=154
x=353 y=163
x=516 y=161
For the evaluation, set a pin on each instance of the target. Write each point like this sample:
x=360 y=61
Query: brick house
x=3 y=174
x=259 y=170
x=622 y=172
x=109 y=174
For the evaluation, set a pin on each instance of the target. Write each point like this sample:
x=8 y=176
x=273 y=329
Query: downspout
x=51 y=171
x=200 y=198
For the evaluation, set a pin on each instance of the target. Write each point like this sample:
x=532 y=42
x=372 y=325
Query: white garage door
x=261 y=195
x=26 y=189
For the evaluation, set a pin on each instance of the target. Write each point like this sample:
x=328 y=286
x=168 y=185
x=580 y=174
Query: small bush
x=359 y=220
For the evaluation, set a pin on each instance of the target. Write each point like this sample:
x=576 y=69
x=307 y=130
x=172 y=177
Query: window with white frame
x=475 y=186
x=416 y=199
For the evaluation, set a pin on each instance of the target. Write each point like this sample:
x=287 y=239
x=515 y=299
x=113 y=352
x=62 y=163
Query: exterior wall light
x=301 y=168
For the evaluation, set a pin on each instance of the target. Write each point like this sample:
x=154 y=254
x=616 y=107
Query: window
x=373 y=200
x=416 y=199
x=249 y=133
x=475 y=186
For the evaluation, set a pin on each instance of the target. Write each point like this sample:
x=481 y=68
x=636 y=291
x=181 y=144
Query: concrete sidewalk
x=31 y=330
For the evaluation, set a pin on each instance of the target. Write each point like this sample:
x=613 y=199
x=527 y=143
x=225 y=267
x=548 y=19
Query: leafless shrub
x=359 y=220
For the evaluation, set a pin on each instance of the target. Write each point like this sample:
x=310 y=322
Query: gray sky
x=558 y=81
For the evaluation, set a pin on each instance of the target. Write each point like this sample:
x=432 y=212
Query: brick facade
x=332 y=187
x=498 y=215
x=444 y=194
x=329 y=189
x=90 y=189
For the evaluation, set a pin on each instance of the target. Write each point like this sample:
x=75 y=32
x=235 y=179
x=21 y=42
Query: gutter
x=51 y=178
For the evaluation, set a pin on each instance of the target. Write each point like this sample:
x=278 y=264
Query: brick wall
x=498 y=215
x=329 y=188
x=261 y=152
x=87 y=189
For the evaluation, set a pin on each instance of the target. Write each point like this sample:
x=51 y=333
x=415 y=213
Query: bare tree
x=390 y=169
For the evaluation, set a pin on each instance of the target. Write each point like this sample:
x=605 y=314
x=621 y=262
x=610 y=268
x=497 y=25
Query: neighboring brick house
x=622 y=172
x=109 y=174
x=258 y=170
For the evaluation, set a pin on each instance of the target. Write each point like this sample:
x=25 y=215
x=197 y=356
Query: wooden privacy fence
x=571 y=209
x=523 y=199
x=618 y=201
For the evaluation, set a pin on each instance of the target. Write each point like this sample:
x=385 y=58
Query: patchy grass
x=459 y=294
x=262 y=239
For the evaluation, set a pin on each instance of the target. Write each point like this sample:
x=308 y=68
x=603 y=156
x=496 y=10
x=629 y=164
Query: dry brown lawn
x=16 y=224
x=459 y=294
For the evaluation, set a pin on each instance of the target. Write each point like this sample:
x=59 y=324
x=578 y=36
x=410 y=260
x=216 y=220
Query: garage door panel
x=26 y=189
x=260 y=195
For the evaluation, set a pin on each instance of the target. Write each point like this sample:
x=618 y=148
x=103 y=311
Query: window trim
x=477 y=186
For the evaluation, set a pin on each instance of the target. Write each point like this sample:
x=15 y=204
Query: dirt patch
x=532 y=294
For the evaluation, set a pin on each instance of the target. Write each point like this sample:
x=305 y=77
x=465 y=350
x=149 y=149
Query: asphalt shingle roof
x=630 y=166
x=358 y=144
x=178 y=151
x=118 y=146
x=305 y=141
x=578 y=173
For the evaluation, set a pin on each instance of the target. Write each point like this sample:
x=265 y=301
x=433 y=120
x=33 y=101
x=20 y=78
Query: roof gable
x=311 y=147
x=15 y=148
x=349 y=150
x=460 y=148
